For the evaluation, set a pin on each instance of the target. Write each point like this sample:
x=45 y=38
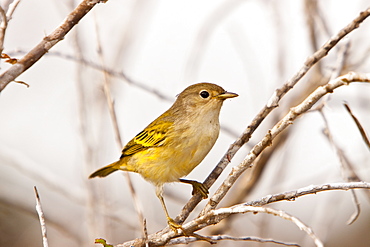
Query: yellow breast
x=178 y=156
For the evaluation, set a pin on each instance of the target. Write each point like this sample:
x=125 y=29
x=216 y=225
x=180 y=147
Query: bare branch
x=6 y=13
x=118 y=74
x=311 y=189
x=3 y=26
x=188 y=240
x=272 y=104
x=348 y=172
x=278 y=128
x=11 y=8
x=41 y=217
x=355 y=214
x=359 y=126
x=47 y=43
x=112 y=113
x=342 y=55
x=216 y=215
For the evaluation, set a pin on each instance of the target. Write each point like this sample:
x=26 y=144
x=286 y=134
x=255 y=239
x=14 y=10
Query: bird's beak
x=226 y=95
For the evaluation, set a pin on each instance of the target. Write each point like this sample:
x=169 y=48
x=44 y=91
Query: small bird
x=176 y=142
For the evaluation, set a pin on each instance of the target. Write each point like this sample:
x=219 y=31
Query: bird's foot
x=174 y=226
x=197 y=187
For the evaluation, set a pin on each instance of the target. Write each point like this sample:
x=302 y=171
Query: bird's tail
x=106 y=170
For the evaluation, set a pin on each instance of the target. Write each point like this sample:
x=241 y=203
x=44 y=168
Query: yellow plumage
x=176 y=142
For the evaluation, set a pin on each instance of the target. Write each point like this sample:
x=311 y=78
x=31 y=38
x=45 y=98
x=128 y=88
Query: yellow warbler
x=176 y=142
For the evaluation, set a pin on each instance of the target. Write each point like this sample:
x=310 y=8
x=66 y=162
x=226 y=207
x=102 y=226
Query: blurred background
x=59 y=130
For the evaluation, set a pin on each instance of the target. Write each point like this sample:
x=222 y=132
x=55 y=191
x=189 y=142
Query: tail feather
x=105 y=171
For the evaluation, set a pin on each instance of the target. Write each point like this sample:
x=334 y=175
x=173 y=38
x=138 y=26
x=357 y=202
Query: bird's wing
x=151 y=136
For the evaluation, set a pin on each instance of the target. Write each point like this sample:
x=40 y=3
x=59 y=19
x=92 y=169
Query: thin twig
x=216 y=215
x=348 y=171
x=137 y=205
x=107 y=91
x=88 y=146
x=311 y=189
x=311 y=14
x=100 y=67
x=341 y=58
x=340 y=62
x=355 y=214
x=6 y=13
x=11 y=8
x=3 y=26
x=112 y=113
x=188 y=240
x=41 y=217
x=47 y=43
x=21 y=208
x=359 y=126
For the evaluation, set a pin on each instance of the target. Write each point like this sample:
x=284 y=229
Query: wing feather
x=152 y=136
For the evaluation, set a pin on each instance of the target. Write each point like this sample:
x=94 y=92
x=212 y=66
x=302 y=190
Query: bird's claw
x=197 y=187
x=201 y=188
x=174 y=226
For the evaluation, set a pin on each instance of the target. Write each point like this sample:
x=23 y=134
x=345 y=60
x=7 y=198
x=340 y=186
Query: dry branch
x=111 y=72
x=270 y=106
x=3 y=26
x=6 y=14
x=216 y=215
x=214 y=239
x=47 y=43
x=278 y=128
x=359 y=126
x=349 y=173
x=311 y=189
x=40 y=212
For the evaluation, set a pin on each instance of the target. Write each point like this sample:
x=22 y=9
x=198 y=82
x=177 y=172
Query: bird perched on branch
x=176 y=142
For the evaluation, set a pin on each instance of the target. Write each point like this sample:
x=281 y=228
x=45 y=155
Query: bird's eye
x=204 y=94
